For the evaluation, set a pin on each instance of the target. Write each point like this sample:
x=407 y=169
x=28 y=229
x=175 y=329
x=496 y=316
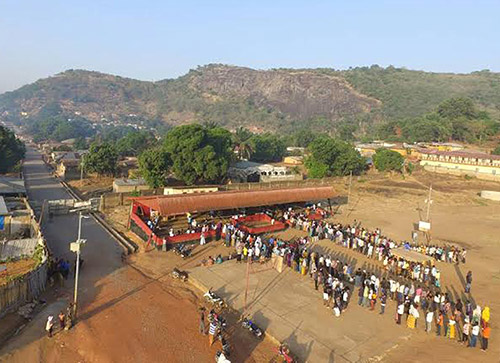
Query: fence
x=29 y=286
x=19 y=291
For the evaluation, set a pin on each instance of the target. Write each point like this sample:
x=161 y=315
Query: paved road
x=101 y=254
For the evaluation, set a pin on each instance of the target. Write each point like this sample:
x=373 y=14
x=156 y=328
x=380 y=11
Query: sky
x=154 y=40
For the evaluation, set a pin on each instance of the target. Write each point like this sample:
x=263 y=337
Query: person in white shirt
x=428 y=321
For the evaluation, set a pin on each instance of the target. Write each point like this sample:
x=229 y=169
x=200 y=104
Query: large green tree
x=12 y=150
x=333 y=157
x=388 y=160
x=457 y=107
x=154 y=164
x=101 y=159
x=133 y=143
x=267 y=147
x=199 y=154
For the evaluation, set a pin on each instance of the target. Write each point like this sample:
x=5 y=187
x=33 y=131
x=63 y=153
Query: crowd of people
x=413 y=286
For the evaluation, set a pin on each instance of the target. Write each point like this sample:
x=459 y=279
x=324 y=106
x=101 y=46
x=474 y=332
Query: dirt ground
x=15 y=268
x=92 y=184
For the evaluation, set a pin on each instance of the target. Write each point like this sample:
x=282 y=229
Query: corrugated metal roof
x=3 y=207
x=463 y=154
x=10 y=185
x=204 y=202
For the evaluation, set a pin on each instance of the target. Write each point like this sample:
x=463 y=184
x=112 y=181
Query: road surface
x=101 y=253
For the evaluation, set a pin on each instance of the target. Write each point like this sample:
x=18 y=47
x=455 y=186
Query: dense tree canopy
x=101 y=159
x=12 y=150
x=134 y=142
x=455 y=119
x=496 y=151
x=154 y=164
x=333 y=157
x=59 y=128
x=388 y=160
x=199 y=154
x=267 y=148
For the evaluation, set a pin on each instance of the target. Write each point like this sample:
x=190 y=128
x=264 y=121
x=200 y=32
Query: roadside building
x=124 y=185
x=248 y=171
x=190 y=189
x=10 y=186
x=472 y=163
x=14 y=218
x=293 y=160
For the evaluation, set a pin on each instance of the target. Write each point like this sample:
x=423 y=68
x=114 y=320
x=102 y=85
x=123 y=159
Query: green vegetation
x=333 y=157
x=199 y=154
x=154 y=164
x=267 y=147
x=12 y=150
x=406 y=93
x=243 y=144
x=455 y=119
x=59 y=128
x=135 y=142
x=496 y=151
x=101 y=159
x=388 y=160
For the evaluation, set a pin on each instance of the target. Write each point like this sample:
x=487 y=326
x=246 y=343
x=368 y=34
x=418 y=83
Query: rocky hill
x=280 y=99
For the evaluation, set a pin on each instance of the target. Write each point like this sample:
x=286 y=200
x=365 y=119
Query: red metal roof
x=204 y=202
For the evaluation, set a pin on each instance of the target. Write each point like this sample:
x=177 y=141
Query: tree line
x=12 y=150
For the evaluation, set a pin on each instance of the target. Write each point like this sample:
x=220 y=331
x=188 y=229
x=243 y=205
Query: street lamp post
x=76 y=247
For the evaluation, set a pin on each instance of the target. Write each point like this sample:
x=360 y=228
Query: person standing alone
x=468 y=280
x=202 y=321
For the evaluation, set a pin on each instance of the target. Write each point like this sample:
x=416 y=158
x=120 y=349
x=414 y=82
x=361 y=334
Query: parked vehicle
x=214 y=299
x=183 y=250
x=252 y=327
x=178 y=274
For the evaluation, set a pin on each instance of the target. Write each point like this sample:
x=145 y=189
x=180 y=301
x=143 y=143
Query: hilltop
x=278 y=99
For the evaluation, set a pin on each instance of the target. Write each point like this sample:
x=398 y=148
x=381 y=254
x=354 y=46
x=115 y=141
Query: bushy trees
x=135 y=142
x=333 y=157
x=154 y=164
x=12 y=150
x=101 y=159
x=388 y=160
x=59 y=128
x=267 y=147
x=199 y=154
x=455 y=119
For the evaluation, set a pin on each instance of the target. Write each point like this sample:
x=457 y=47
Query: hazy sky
x=153 y=40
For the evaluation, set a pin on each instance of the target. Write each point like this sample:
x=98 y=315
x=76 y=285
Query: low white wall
x=489 y=194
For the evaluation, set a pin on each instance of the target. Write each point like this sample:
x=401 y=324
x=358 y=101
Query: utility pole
x=429 y=202
x=76 y=247
x=81 y=167
x=349 y=190
x=246 y=288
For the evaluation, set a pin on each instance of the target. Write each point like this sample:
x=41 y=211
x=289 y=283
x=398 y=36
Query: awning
x=203 y=202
